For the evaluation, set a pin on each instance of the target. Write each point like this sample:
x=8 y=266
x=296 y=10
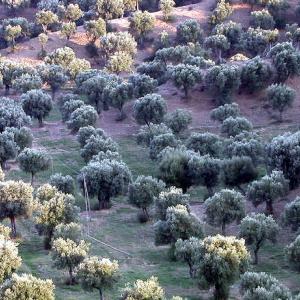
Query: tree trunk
x=6 y=89
x=121 y=115
x=184 y=189
x=101 y=294
x=210 y=191
x=280 y=116
x=53 y=95
x=255 y=262
x=223 y=227
x=40 y=122
x=269 y=207
x=32 y=178
x=221 y=292
x=186 y=92
x=13 y=226
x=72 y=281
x=103 y=202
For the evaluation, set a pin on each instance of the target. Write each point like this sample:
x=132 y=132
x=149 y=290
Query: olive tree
x=161 y=142
x=221 y=260
x=174 y=167
x=142 y=84
x=15 y=201
x=10 y=259
x=71 y=231
x=95 y=29
x=293 y=253
x=95 y=144
x=291 y=214
x=262 y=19
x=167 y=198
x=222 y=11
x=280 y=98
x=11 y=34
x=109 y=9
x=225 y=111
x=83 y=116
x=37 y=104
x=234 y=126
x=45 y=18
x=205 y=143
x=67 y=254
x=141 y=23
x=33 y=161
x=57 y=208
x=69 y=107
x=238 y=171
x=86 y=132
x=225 y=207
x=268 y=189
x=166 y=6
x=189 y=31
x=119 y=62
x=178 y=120
x=68 y=29
x=218 y=43
x=256 y=229
x=223 y=81
x=97 y=273
x=146 y=133
x=64 y=184
x=26 y=284
x=27 y=82
x=255 y=75
x=105 y=180
x=263 y=286
x=143 y=191
x=205 y=170
x=8 y=148
x=185 y=76
x=149 y=109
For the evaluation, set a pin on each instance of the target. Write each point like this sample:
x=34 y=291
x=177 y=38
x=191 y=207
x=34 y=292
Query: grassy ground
x=119 y=227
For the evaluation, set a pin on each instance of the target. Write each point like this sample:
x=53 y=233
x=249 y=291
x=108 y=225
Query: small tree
x=37 y=104
x=166 y=6
x=27 y=82
x=256 y=73
x=263 y=286
x=142 y=85
x=10 y=259
x=169 y=197
x=45 y=18
x=234 y=126
x=95 y=29
x=224 y=208
x=8 y=148
x=291 y=215
x=117 y=95
x=15 y=201
x=64 y=184
x=83 y=116
x=178 y=120
x=262 y=19
x=221 y=12
x=104 y=180
x=205 y=171
x=71 y=231
x=185 y=76
x=218 y=43
x=161 y=142
x=68 y=29
x=293 y=253
x=33 y=161
x=73 y=12
x=55 y=77
x=143 y=191
x=109 y=9
x=69 y=107
x=26 y=284
x=85 y=133
x=95 y=273
x=149 y=109
x=57 y=208
x=280 y=97
x=205 y=144
x=11 y=34
x=174 y=167
x=96 y=144
x=189 y=32
x=221 y=261
x=187 y=251
x=225 y=111
x=238 y=171
x=142 y=23
x=67 y=254
x=119 y=62
x=43 y=39
x=268 y=189
x=223 y=81
x=149 y=288
x=256 y=230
